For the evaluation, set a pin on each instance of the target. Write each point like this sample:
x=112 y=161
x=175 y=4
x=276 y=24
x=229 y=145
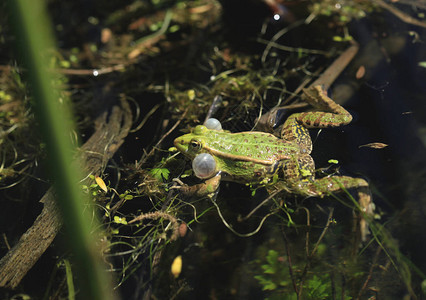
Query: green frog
x=258 y=157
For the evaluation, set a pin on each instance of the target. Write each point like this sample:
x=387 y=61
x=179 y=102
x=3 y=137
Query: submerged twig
x=311 y=255
x=152 y=38
x=290 y=265
x=91 y=72
x=336 y=68
x=145 y=156
x=308 y=224
x=157 y=215
x=370 y=272
x=227 y=225
x=278 y=35
x=400 y=15
x=258 y=206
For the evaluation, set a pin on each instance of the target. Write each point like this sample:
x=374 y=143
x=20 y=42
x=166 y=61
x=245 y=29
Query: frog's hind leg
x=330 y=113
x=293 y=130
x=328 y=185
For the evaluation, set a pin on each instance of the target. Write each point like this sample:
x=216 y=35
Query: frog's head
x=192 y=143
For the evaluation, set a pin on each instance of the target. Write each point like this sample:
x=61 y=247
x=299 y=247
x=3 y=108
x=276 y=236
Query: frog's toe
x=178 y=181
x=179 y=185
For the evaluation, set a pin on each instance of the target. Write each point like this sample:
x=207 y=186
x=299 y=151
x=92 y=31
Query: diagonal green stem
x=35 y=38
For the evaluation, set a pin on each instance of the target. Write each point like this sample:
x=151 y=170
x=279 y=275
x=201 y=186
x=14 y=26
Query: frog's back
x=258 y=145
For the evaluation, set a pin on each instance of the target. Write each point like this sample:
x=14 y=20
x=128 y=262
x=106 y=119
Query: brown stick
x=401 y=15
x=336 y=68
x=311 y=255
x=95 y=153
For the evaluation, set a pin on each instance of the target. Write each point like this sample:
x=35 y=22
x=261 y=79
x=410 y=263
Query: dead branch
x=110 y=131
x=401 y=15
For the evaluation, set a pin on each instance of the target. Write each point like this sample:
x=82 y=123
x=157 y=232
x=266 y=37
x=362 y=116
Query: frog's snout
x=180 y=144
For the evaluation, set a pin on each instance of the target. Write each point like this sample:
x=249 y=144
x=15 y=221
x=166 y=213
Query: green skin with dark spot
x=255 y=157
x=246 y=157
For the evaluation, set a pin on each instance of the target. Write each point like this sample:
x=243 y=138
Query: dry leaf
x=375 y=145
x=101 y=183
x=360 y=73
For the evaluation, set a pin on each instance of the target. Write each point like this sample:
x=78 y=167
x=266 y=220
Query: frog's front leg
x=206 y=188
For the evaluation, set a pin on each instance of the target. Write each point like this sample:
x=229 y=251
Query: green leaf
x=265 y=283
x=270 y=286
x=284 y=283
x=160 y=173
x=272 y=257
x=120 y=220
x=269 y=269
x=317 y=288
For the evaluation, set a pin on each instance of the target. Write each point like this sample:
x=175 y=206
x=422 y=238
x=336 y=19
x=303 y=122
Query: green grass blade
x=35 y=38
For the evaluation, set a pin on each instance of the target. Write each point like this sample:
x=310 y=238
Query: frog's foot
x=331 y=115
x=206 y=188
x=328 y=185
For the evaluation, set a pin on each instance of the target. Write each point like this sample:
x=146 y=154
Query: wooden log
x=110 y=132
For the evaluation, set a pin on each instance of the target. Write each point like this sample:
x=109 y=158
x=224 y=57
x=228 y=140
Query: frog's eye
x=195 y=145
x=204 y=165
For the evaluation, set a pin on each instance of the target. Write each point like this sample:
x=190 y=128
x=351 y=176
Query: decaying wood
x=110 y=131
